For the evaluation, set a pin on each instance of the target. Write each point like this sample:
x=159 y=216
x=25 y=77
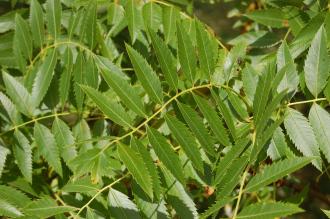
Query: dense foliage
x=133 y=109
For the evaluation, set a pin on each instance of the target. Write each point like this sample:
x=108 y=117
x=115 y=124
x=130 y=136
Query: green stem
x=99 y=192
x=240 y=193
x=307 y=101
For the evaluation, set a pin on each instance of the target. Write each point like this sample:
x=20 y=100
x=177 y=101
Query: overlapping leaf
x=268 y=210
x=214 y=120
x=23 y=154
x=18 y=94
x=276 y=171
x=37 y=23
x=317 y=63
x=135 y=164
x=47 y=146
x=302 y=135
x=320 y=122
x=125 y=91
x=44 y=77
x=166 y=60
x=54 y=14
x=165 y=153
x=186 y=54
x=186 y=140
x=111 y=109
x=146 y=75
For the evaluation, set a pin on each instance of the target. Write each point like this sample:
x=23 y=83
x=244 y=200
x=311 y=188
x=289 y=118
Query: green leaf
x=170 y=16
x=268 y=210
x=90 y=214
x=85 y=161
x=290 y=80
x=278 y=147
x=96 y=162
x=263 y=137
x=23 y=154
x=178 y=197
x=165 y=153
x=149 y=162
x=9 y=210
x=152 y=14
x=205 y=50
x=238 y=105
x=304 y=38
x=186 y=141
x=90 y=23
x=225 y=113
x=125 y=91
x=327 y=91
x=272 y=17
x=146 y=75
x=44 y=77
x=134 y=19
x=276 y=171
x=236 y=53
x=13 y=196
x=166 y=60
x=3 y=155
x=116 y=18
x=37 y=23
x=326 y=212
x=83 y=185
x=250 y=80
x=10 y=108
x=267 y=113
x=186 y=53
x=228 y=159
x=195 y=123
x=232 y=176
x=189 y=26
x=121 y=206
x=111 y=109
x=23 y=37
x=79 y=72
x=213 y=120
x=46 y=207
x=82 y=133
x=106 y=66
x=46 y=144
x=317 y=63
x=262 y=93
x=18 y=94
x=135 y=164
x=64 y=139
x=216 y=207
x=148 y=209
x=54 y=14
x=92 y=78
x=65 y=79
x=320 y=121
x=302 y=135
